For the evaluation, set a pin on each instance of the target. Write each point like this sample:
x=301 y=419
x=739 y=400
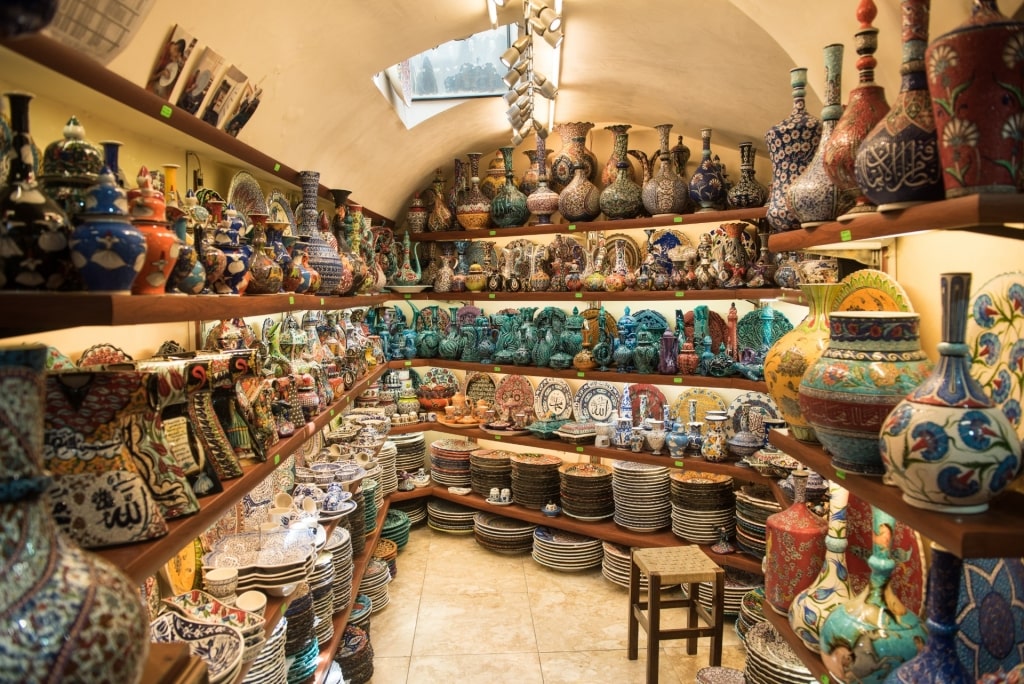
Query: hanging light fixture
x=523 y=81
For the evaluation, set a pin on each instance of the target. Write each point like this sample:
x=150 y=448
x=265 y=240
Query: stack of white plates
x=703 y=506
x=321 y=583
x=269 y=665
x=267 y=561
x=416 y=509
x=641 y=494
x=340 y=546
x=566 y=551
x=388 y=477
x=737 y=585
x=615 y=565
x=410 y=451
x=751 y=612
x=449 y=462
x=770 y=660
x=502 y=535
x=445 y=516
x=375 y=583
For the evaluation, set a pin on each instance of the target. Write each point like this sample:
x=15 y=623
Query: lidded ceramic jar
x=149 y=214
x=69 y=166
x=794 y=548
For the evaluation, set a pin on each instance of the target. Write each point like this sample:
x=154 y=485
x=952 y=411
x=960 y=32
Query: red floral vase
x=795 y=550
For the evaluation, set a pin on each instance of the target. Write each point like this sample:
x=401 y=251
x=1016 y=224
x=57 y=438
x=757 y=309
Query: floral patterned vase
x=619 y=147
x=88 y=624
x=791 y=146
x=811 y=606
x=622 y=198
x=228 y=239
x=508 y=206
x=707 y=185
x=947 y=446
x=747 y=192
x=873 y=360
x=580 y=200
x=474 y=209
x=794 y=548
x=976 y=84
x=897 y=165
x=872 y=634
x=149 y=214
x=439 y=218
x=574 y=151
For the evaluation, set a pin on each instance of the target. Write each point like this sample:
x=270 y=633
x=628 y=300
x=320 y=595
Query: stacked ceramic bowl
x=396 y=528
x=375 y=583
x=415 y=509
x=502 y=535
x=449 y=462
x=269 y=666
x=355 y=655
x=586 y=491
x=751 y=612
x=371 y=504
x=362 y=609
x=388 y=477
x=703 y=506
x=535 y=480
x=770 y=660
x=754 y=503
x=615 y=565
x=220 y=646
x=355 y=523
x=301 y=646
x=340 y=547
x=387 y=551
x=321 y=583
x=489 y=469
x=737 y=585
x=641 y=493
x=566 y=551
x=269 y=561
x=410 y=450
x=445 y=516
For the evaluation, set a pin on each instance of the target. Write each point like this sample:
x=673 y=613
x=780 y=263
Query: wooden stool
x=687 y=565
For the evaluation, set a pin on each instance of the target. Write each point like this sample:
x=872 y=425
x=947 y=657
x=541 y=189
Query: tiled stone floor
x=460 y=614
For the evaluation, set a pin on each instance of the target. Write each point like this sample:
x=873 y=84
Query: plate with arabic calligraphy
x=554 y=396
x=595 y=401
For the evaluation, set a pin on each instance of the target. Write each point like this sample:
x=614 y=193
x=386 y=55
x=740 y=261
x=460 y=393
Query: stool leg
x=718 y=617
x=693 y=621
x=653 y=626
x=634 y=598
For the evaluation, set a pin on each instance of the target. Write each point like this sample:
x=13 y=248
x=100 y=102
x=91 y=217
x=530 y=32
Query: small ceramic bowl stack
x=703 y=506
x=396 y=528
x=198 y=605
x=770 y=660
x=268 y=561
x=754 y=503
x=720 y=675
x=586 y=491
x=449 y=462
x=219 y=645
x=502 y=535
x=566 y=551
x=222 y=584
x=415 y=509
x=751 y=612
x=269 y=665
x=445 y=516
x=340 y=547
x=375 y=583
x=489 y=469
x=387 y=551
x=410 y=451
x=737 y=585
x=370 y=505
x=615 y=565
x=321 y=583
x=388 y=476
x=535 y=480
x=355 y=655
x=642 y=502
x=301 y=645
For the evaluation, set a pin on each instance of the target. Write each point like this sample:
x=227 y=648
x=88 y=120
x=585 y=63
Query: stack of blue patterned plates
x=269 y=666
x=355 y=655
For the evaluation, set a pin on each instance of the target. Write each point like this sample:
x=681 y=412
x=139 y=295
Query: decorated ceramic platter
x=246 y=195
x=219 y=646
x=595 y=401
x=995 y=337
x=554 y=396
x=280 y=211
x=440 y=376
x=663 y=241
x=870 y=290
x=102 y=355
x=206 y=195
x=750 y=330
x=707 y=400
x=754 y=400
x=514 y=393
x=479 y=386
x=642 y=393
x=630 y=252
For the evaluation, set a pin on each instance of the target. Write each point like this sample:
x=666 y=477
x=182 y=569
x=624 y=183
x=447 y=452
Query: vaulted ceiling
x=720 y=63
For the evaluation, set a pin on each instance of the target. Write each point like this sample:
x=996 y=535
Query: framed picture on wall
x=224 y=95
x=244 y=108
x=170 y=62
x=200 y=81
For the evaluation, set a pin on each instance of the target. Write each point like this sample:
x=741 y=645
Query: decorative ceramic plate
x=750 y=329
x=870 y=290
x=595 y=401
x=990 y=614
x=717 y=328
x=183 y=567
x=664 y=241
x=591 y=334
x=479 y=386
x=514 y=394
x=754 y=400
x=220 y=646
x=630 y=251
x=707 y=400
x=246 y=195
x=655 y=400
x=205 y=195
x=280 y=212
x=995 y=336
x=655 y=322
x=103 y=354
x=440 y=376
x=554 y=396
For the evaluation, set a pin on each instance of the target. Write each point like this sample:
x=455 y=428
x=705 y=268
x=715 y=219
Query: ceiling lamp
x=523 y=81
x=517 y=51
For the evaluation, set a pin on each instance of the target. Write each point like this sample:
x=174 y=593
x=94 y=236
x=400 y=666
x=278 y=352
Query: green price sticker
x=579 y=449
x=407 y=295
x=277 y=459
x=291 y=300
x=166 y=111
x=497 y=369
x=679 y=464
x=284 y=608
x=322 y=301
x=841 y=474
x=277 y=167
x=579 y=295
x=846 y=235
x=680 y=293
x=408 y=363
x=490 y=295
x=492 y=233
x=824 y=679
x=581 y=374
x=677 y=219
x=678 y=381
x=497 y=437
x=332 y=413
x=572 y=226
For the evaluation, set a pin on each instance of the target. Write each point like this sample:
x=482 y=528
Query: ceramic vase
x=792 y=144
x=69 y=167
x=872 y=361
x=580 y=200
x=747 y=192
x=543 y=201
x=622 y=198
x=474 y=209
x=794 y=353
x=508 y=206
x=188 y=276
x=948 y=446
x=416 y=215
x=619 y=146
x=529 y=182
x=87 y=622
x=813 y=196
x=324 y=260
x=35 y=254
x=713 y=447
x=149 y=215
x=214 y=261
x=794 y=548
x=872 y=634
x=665 y=192
x=574 y=151
x=811 y=606
x=866 y=106
x=977 y=91
x=265 y=274
x=495 y=176
x=440 y=216
x=707 y=185
x=897 y=165
x=106 y=248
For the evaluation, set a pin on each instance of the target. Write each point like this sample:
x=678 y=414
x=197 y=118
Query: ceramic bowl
x=220 y=646
x=199 y=605
x=221 y=581
x=254 y=602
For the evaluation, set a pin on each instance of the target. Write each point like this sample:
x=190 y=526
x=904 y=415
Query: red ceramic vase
x=795 y=549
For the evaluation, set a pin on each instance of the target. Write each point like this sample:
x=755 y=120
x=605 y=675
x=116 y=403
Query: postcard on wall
x=243 y=109
x=170 y=62
x=224 y=95
x=200 y=80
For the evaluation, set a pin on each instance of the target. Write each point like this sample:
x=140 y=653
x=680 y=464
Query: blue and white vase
x=792 y=144
x=227 y=239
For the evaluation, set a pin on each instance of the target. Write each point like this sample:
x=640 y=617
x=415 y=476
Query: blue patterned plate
x=280 y=211
x=595 y=401
x=220 y=646
x=553 y=396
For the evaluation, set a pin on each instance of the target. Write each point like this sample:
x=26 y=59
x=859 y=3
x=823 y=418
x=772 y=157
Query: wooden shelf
x=809 y=658
x=32 y=312
x=573 y=374
x=38 y=61
x=741 y=293
x=665 y=221
x=145 y=559
x=992 y=534
x=987 y=214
